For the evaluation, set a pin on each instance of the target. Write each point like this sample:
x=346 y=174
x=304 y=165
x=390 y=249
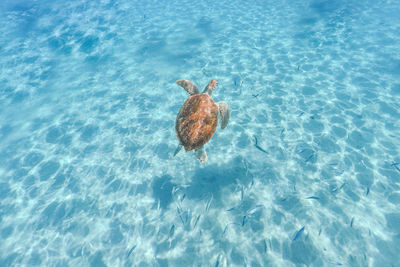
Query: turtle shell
x=197 y=121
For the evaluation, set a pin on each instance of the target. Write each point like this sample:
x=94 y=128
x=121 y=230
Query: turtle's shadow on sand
x=214 y=178
x=211 y=180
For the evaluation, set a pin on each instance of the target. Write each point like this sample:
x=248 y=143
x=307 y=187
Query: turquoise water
x=88 y=103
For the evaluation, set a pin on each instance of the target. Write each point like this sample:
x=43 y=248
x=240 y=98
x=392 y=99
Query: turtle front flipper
x=223 y=113
x=190 y=87
x=210 y=87
x=201 y=154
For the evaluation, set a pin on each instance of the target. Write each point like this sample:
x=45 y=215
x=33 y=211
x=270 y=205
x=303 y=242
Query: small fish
x=338 y=188
x=363 y=163
x=196 y=221
x=184 y=216
x=219 y=258
x=164 y=183
x=131 y=250
x=261 y=149
x=300 y=114
x=238 y=82
x=254 y=210
x=226 y=227
x=367 y=191
x=342 y=186
x=265 y=246
x=255 y=95
x=180 y=216
x=258 y=147
x=232 y=209
x=244 y=220
x=339 y=172
x=338 y=264
x=298 y=234
x=320 y=230
x=183 y=197
x=209 y=203
x=171 y=231
x=396 y=165
x=351 y=223
x=252 y=183
x=246 y=166
x=300 y=151
x=309 y=157
x=313 y=197
x=174 y=189
x=298 y=67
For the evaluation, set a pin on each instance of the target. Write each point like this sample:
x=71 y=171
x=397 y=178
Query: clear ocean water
x=307 y=172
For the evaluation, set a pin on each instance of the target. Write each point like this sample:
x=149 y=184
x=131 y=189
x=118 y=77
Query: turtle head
x=210 y=87
x=213 y=83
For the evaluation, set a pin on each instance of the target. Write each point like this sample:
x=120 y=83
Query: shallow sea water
x=88 y=102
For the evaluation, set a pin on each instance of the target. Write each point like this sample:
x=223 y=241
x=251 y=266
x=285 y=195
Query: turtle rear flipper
x=190 y=87
x=223 y=113
x=178 y=149
x=201 y=154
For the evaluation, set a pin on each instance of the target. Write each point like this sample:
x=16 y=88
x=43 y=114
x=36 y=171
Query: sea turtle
x=197 y=119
